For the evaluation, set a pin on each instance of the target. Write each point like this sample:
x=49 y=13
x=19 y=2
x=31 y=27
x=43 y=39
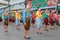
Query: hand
x=24 y=24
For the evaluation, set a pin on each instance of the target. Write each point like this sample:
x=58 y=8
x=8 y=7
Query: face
x=46 y=10
x=27 y=6
x=39 y=9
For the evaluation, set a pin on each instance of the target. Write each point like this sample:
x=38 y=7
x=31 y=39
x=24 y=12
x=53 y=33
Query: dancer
x=46 y=16
x=5 y=21
x=39 y=20
x=17 y=16
x=56 y=19
x=33 y=16
x=51 y=20
x=26 y=22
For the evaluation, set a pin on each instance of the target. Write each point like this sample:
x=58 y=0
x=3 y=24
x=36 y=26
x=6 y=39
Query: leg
x=5 y=28
x=17 y=27
x=45 y=27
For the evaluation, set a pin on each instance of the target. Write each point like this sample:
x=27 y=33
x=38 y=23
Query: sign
x=39 y=3
x=52 y=2
x=16 y=1
x=18 y=6
x=43 y=3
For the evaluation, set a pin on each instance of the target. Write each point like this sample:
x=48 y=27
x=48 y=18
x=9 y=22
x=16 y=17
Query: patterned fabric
x=25 y=15
x=46 y=15
x=39 y=15
x=27 y=26
x=17 y=16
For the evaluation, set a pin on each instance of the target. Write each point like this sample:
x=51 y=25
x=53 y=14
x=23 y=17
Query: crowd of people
x=42 y=19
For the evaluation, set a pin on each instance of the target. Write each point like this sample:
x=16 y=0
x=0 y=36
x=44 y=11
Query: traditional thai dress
x=51 y=19
x=56 y=18
x=6 y=20
x=39 y=19
x=33 y=16
x=46 y=16
x=26 y=18
x=17 y=19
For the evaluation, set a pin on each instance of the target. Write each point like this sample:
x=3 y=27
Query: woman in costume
x=33 y=16
x=39 y=20
x=56 y=19
x=46 y=17
x=5 y=21
x=17 y=16
x=51 y=20
x=26 y=21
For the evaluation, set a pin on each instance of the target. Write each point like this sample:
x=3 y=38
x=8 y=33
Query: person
x=39 y=20
x=26 y=21
x=5 y=21
x=56 y=19
x=17 y=16
x=46 y=16
x=33 y=16
x=51 y=20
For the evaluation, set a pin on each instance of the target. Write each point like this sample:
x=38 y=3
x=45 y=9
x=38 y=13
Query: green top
x=46 y=15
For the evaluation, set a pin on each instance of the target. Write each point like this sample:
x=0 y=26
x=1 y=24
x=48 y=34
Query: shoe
x=51 y=28
x=18 y=28
x=27 y=37
x=39 y=32
x=47 y=30
x=6 y=31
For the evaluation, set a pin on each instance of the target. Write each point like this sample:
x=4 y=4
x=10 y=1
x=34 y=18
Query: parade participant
x=56 y=19
x=46 y=16
x=17 y=16
x=51 y=20
x=5 y=21
x=33 y=16
x=39 y=20
x=26 y=21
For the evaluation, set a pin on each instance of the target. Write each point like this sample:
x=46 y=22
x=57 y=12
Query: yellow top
x=38 y=14
x=17 y=16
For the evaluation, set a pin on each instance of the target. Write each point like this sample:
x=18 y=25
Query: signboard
x=18 y=6
x=59 y=7
x=16 y=1
x=52 y=2
x=43 y=3
x=39 y=3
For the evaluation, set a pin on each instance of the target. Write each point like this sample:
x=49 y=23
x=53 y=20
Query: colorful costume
x=17 y=18
x=51 y=19
x=56 y=18
x=26 y=19
x=6 y=20
x=38 y=19
x=33 y=18
x=46 y=16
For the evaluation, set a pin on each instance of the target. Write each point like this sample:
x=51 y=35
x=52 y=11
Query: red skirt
x=51 y=21
x=33 y=21
x=46 y=21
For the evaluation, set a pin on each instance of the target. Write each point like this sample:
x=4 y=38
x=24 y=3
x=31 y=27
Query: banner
x=52 y=2
x=43 y=3
x=39 y=3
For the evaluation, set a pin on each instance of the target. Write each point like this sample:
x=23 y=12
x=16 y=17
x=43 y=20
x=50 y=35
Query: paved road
x=14 y=34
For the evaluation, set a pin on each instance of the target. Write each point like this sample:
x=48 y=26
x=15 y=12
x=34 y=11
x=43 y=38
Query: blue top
x=25 y=15
x=5 y=17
